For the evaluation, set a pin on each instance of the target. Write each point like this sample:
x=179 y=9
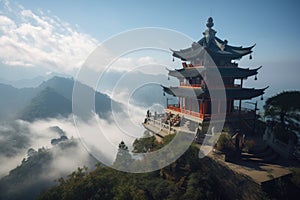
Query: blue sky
x=273 y=25
x=241 y=22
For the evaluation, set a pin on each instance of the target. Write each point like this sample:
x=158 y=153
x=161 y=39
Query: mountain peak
x=47 y=103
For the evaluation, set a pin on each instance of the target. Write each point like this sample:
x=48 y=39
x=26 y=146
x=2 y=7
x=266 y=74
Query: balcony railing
x=244 y=111
x=182 y=84
x=189 y=85
x=176 y=108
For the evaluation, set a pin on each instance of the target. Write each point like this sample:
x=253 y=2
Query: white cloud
x=40 y=39
x=122 y=64
x=18 y=63
x=30 y=39
x=100 y=137
x=10 y=163
x=146 y=60
x=6 y=23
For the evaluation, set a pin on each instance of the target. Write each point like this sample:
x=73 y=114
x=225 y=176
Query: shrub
x=224 y=143
x=248 y=145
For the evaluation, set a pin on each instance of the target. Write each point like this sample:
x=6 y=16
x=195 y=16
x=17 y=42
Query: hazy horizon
x=41 y=38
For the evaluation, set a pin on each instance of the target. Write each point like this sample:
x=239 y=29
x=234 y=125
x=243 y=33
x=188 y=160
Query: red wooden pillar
x=240 y=103
x=201 y=107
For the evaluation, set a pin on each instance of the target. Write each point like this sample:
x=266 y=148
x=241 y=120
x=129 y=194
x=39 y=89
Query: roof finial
x=210 y=22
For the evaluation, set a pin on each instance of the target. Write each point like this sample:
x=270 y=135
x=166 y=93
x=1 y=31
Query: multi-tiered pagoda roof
x=194 y=76
x=224 y=72
x=198 y=92
x=218 y=49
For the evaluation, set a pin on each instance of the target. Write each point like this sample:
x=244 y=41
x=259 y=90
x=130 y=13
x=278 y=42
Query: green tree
x=282 y=105
x=224 y=143
x=144 y=145
x=283 y=110
x=124 y=158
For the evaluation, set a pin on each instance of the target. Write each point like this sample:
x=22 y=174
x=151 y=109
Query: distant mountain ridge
x=18 y=102
x=13 y=100
x=31 y=82
x=47 y=103
x=24 y=83
x=50 y=99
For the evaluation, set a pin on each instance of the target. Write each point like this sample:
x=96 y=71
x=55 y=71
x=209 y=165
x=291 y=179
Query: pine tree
x=123 y=158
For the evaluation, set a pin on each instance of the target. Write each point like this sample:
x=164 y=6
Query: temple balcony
x=190 y=65
x=198 y=66
x=236 y=113
x=188 y=114
x=182 y=84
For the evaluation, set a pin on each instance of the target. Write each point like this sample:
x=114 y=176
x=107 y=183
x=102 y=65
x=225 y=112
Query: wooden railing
x=174 y=107
x=189 y=85
x=192 y=113
x=235 y=112
x=199 y=85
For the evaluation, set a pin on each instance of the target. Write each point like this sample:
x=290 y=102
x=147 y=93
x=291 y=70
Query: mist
x=88 y=142
x=95 y=135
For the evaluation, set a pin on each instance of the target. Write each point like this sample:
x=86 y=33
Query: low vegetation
x=187 y=178
x=224 y=143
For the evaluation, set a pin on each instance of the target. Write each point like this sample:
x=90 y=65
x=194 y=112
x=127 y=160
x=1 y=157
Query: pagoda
x=194 y=102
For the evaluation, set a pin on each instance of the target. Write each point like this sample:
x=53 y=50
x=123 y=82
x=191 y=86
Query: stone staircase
x=245 y=126
x=261 y=154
